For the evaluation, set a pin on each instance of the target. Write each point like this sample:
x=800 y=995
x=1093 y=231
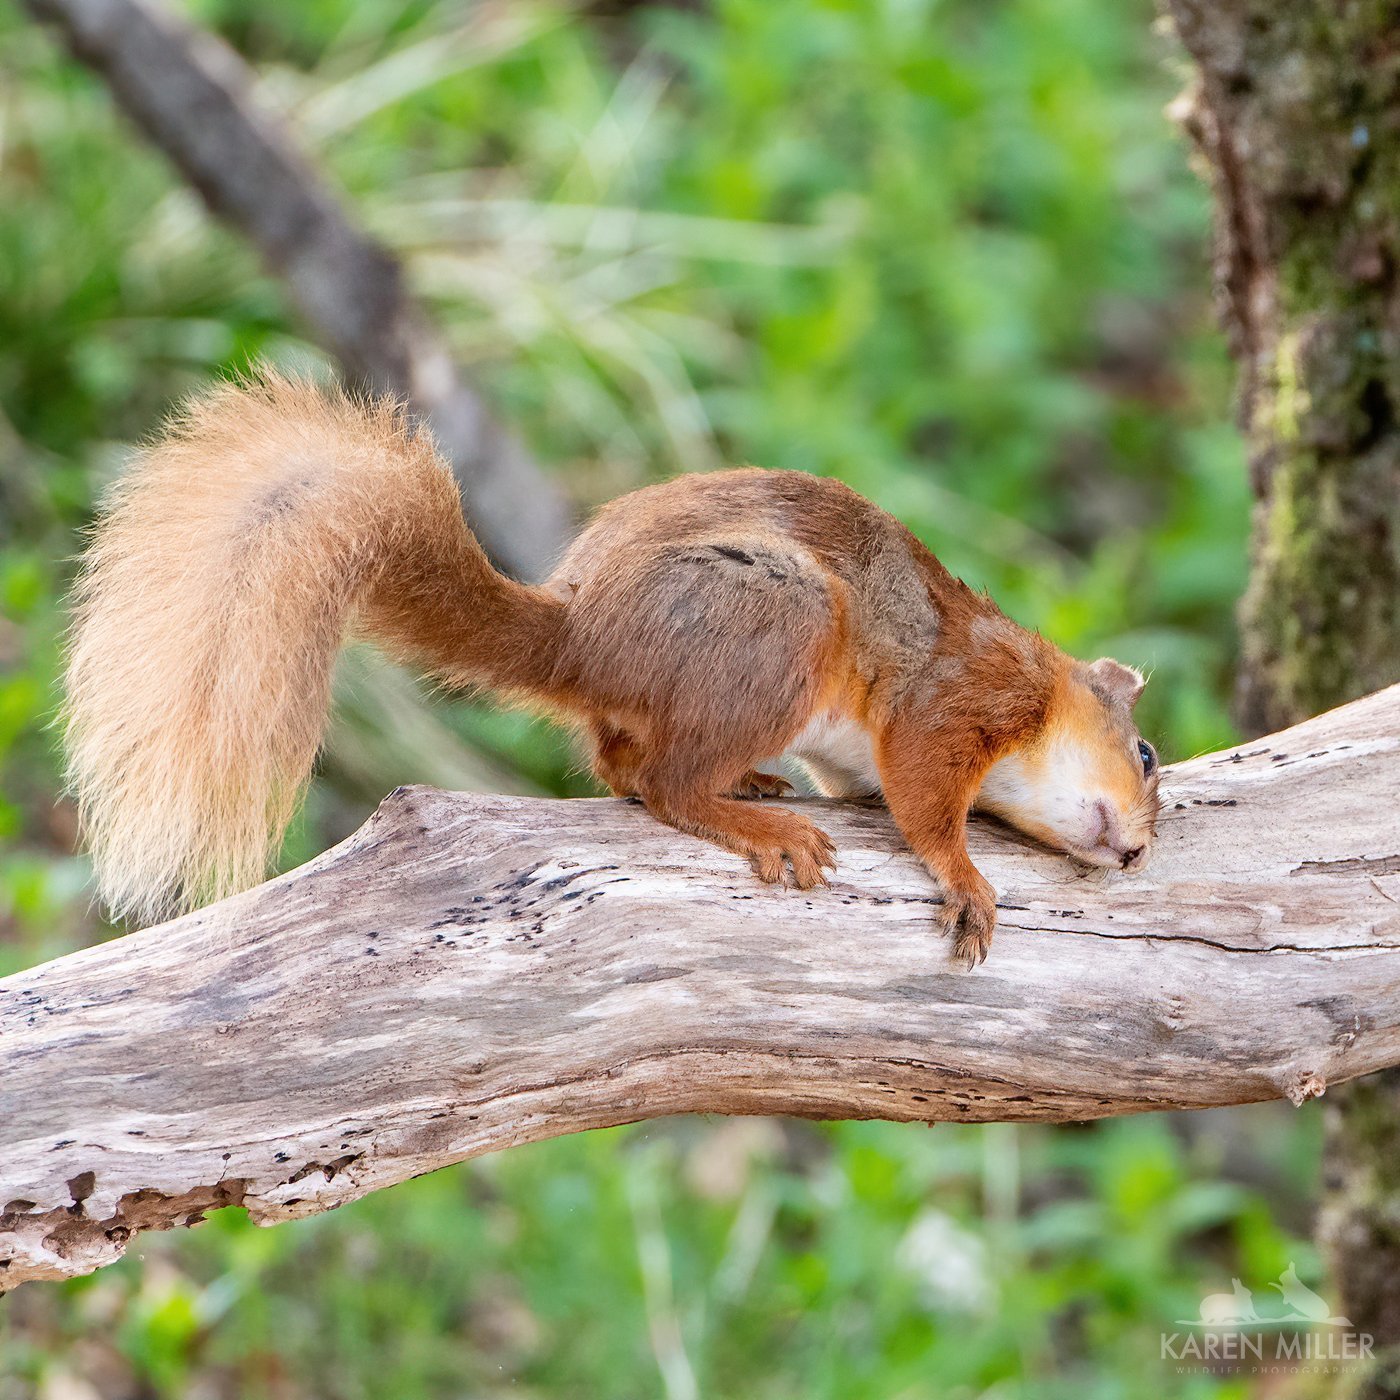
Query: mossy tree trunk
x=1294 y=107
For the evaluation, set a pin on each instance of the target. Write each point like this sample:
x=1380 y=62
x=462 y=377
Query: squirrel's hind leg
x=783 y=847
x=706 y=800
x=700 y=660
x=617 y=756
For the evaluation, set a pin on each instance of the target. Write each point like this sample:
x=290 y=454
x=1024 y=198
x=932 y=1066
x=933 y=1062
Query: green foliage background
x=945 y=250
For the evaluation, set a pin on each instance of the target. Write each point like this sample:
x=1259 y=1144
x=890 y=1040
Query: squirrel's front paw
x=969 y=915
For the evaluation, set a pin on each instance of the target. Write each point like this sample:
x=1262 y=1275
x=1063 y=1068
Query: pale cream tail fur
x=216 y=592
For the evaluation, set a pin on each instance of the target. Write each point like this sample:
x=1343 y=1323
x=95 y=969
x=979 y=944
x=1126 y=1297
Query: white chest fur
x=837 y=752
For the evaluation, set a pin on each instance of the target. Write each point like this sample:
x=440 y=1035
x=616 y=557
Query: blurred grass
x=949 y=252
x=738 y=1259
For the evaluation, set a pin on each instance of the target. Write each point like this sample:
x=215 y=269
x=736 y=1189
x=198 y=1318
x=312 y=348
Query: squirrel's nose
x=1109 y=833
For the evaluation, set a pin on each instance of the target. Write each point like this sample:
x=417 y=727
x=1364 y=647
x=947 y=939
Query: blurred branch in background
x=192 y=95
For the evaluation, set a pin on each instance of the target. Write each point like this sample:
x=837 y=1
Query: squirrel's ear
x=1121 y=682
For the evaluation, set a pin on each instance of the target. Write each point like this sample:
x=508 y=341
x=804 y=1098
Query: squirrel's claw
x=969 y=917
x=755 y=784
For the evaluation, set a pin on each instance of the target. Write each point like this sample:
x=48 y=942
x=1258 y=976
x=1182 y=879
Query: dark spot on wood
x=1343 y=1015
x=330 y=1170
x=652 y=973
x=80 y=1187
x=1238 y=757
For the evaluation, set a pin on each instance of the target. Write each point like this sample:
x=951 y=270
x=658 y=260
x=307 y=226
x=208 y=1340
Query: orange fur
x=694 y=629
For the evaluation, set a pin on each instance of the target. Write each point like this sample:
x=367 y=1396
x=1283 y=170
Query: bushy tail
x=214 y=597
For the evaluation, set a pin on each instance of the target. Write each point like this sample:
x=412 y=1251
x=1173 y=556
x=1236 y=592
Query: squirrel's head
x=1087 y=782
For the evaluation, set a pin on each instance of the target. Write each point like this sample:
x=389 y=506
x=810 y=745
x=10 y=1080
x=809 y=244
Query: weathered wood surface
x=467 y=973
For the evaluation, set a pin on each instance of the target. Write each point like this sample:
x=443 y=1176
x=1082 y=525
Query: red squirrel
x=695 y=629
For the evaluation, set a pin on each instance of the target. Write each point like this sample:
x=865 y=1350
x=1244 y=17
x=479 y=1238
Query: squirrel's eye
x=1149 y=757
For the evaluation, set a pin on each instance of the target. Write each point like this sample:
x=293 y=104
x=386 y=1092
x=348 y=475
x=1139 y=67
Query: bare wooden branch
x=192 y=96
x=467 y=973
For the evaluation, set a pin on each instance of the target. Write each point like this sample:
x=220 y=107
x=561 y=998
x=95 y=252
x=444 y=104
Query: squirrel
x=696 y=628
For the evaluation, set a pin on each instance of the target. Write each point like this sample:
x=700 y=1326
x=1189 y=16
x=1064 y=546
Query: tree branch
x=467 y=973
x=192 y=96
